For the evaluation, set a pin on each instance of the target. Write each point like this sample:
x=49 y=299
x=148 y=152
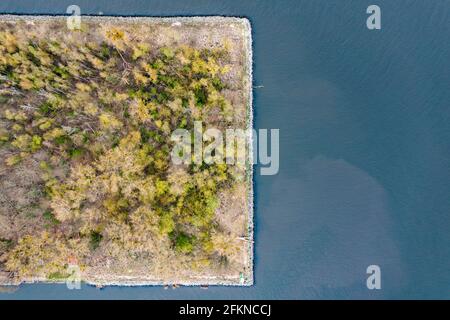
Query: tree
x=42 y=255
x=184 y=243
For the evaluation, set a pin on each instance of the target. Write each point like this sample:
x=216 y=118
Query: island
x=86 y=172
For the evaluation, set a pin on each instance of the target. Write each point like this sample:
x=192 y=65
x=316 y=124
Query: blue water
x=364 y=148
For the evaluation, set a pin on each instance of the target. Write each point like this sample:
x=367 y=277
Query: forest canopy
x=85 y=124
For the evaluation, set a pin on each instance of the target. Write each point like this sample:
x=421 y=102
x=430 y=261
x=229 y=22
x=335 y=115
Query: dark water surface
x=364 y=147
